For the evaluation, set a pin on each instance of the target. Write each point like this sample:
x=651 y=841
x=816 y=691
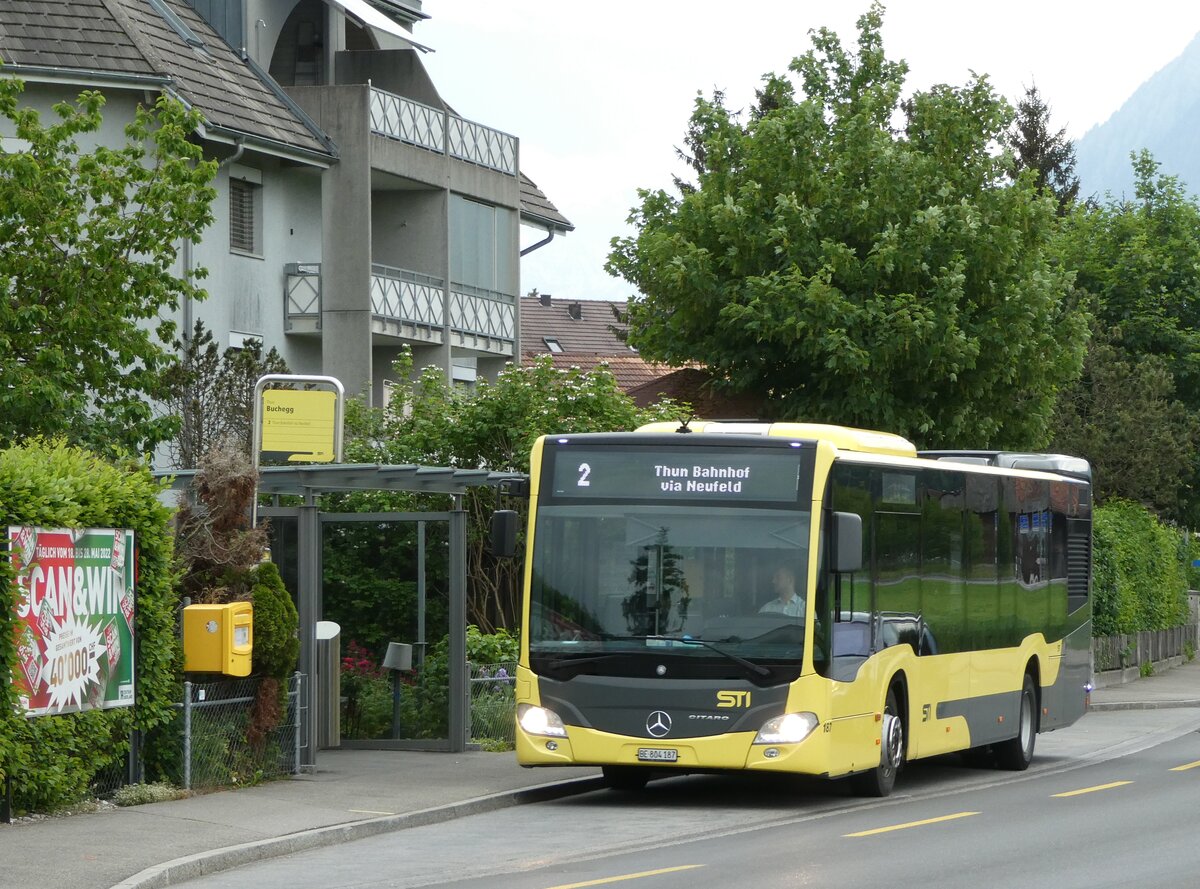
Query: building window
x=245 y=210
x=483 y=245
x=552 y=344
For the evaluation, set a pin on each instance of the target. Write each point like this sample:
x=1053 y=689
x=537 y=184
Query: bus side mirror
x=847 y=542
x=503 y=533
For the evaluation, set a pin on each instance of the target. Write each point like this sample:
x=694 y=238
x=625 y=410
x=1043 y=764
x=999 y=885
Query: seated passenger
x=787 y=601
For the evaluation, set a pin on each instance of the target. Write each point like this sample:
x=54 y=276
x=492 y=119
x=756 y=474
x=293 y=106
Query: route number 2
x=584 y=472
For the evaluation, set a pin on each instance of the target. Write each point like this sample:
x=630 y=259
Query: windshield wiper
x=565 y=660
x=757 y=669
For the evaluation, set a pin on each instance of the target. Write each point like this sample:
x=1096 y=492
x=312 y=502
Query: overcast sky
x=600 y=93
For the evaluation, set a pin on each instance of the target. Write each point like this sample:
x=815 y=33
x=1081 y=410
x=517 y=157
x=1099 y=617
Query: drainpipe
x=542 y=243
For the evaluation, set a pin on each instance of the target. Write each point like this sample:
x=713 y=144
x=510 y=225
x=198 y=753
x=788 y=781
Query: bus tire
x=626 y=778
x=1016 y=754
x=879 y=781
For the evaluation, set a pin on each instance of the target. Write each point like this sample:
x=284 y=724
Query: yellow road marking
x=1092 y=789
x=867 y=833
x=1184 y=768
x=638 y=876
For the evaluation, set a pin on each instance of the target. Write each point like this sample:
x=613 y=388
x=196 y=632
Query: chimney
x=575 y=310
x=544 y=299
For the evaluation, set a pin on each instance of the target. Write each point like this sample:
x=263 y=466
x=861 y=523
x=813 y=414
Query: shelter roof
x=324 y=478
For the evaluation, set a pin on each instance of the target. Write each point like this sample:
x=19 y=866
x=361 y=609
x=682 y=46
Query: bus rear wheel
x=880 y=780
x=626 y=778
x=1016 y=754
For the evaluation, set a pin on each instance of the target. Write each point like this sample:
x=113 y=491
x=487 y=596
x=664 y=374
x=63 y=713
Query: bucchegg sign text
x=73 y=618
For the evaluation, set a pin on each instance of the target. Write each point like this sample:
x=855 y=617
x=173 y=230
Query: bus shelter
x=309 y=482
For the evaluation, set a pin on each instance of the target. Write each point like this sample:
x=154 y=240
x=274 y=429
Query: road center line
x=1184 y=768
x=906 y=825
x=637 y=876
x=1091 y=789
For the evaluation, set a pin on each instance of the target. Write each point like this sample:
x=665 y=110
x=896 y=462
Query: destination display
x=736 y=474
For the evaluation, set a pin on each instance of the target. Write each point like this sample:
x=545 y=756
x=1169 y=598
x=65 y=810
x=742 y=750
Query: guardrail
x=424 y=126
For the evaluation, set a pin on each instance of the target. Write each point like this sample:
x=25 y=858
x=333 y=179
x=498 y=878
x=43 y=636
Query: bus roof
x=1059 y=463
x=844 y=438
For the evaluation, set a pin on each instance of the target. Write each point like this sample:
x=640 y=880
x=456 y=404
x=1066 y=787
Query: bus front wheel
x=880 y=780
x=1015 y=754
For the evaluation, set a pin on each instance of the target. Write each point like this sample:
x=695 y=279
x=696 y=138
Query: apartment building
x=357 y=213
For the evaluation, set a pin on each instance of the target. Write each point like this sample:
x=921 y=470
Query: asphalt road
x=1124 y=821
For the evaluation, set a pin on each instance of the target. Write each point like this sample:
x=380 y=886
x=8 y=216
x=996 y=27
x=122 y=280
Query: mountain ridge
x=1162 y=115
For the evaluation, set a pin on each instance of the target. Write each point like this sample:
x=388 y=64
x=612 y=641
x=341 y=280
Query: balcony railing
x=408 y=121
x=477 y=314
x=302 y=295
x=412 y=304
x=433 y=129
x=407 y=297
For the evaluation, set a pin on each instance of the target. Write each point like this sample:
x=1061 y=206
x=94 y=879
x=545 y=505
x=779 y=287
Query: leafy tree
x=212 y=394
x=1049 y=156
x=428 y=421
x=849 y=272
x=1139 y=260
x=88 y=244
x=1122 y=415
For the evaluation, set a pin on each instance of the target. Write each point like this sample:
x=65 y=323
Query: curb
x=1143 y=705
x=201 y=864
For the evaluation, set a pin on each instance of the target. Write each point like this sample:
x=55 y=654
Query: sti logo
x=733 y=699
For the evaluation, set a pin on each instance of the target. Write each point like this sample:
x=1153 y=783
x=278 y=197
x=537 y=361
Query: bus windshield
x=621 y=570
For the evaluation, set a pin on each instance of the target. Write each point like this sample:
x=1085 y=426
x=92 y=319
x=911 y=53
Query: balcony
x=484 y=320
x=408 y=306
x=405 y=120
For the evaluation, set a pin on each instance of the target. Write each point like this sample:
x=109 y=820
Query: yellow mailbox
x=218 y=638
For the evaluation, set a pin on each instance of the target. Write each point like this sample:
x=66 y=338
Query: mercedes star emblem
x=658 y=724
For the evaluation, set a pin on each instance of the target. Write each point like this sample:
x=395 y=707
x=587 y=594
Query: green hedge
x=1140 y=571
x=54 y=759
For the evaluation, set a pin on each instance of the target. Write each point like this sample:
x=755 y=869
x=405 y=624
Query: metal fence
x=493 y=704
x=216 y=746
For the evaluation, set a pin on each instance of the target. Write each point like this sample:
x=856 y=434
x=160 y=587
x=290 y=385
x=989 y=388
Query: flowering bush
x=366 y=695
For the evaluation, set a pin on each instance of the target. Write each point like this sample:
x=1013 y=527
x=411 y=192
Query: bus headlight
x=790 y=728
x=540 y=721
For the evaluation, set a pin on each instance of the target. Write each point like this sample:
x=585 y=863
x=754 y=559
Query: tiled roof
x=630 y=371
x=131 y=37
x=585 y=326
x=537 y=208
x=588 y=330
x=79 y=34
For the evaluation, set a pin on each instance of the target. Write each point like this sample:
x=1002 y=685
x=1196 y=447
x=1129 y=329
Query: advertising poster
x=73 y=618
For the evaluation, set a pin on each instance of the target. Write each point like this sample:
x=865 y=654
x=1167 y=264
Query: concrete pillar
x=346 y=241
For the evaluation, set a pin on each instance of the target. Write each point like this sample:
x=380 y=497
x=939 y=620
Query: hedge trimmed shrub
x=1140 y=571
x=276 y=644
x=48 y=484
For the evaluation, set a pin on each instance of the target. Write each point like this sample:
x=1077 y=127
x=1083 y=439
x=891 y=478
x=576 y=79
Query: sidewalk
x=1176 y=687
x=358 y=793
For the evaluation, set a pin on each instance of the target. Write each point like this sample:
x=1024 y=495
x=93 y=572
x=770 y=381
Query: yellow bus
x=797 y=598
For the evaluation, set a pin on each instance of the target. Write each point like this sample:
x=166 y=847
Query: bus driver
x=787 y=601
